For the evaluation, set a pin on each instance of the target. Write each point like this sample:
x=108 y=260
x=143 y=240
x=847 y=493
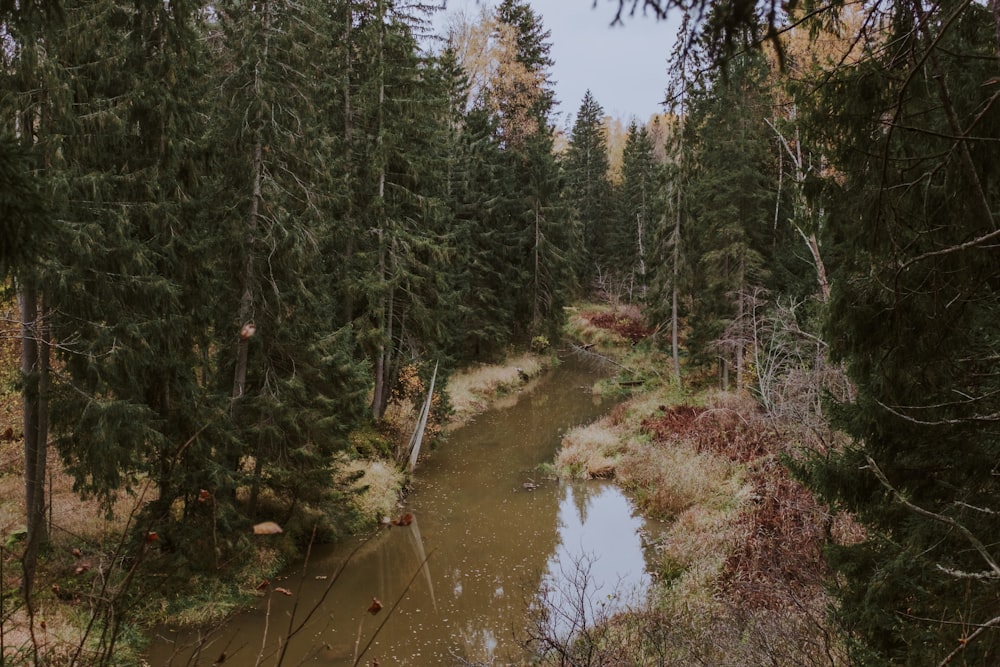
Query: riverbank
x=740 y=577
x=78 y=574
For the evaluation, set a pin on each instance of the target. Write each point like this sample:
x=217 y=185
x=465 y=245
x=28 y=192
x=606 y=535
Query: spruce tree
x=913 y=306
x=398 y=179
x=283 y=356
x=638 y=208
x=532 y=209
x=731 y=194
x=126 y=303
x=482 y=318
x=586 y=175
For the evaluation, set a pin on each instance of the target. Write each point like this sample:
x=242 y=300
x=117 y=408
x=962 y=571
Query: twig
x=964 y=642
x=947 y=520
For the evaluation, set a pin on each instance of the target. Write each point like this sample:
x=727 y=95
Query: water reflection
x=599 y=566
x=457 y=582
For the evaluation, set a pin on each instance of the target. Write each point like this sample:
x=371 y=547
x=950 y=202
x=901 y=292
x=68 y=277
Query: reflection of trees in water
x=601 y=555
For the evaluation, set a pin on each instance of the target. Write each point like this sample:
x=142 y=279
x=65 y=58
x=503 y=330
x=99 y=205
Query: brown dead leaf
x=267 y=528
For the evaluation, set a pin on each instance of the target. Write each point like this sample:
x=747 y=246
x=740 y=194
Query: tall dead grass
x=472 y=390
x=377 y=489
x=740 y=574
x=590 y=451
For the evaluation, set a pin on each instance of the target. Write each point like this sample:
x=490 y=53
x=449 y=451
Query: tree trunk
x=34 y=371
x=537 y=311
x=674 y=334
x=247 y=327
x=348 y=159
x=246 y=300
x=385 y=300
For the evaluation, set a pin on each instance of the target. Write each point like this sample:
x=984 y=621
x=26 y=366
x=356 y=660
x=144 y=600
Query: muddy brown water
x=457 y=583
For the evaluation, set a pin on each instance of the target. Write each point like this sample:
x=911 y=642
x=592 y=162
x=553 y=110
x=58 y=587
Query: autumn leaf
x=267 y=528
x=404 y=520
x=375 y=607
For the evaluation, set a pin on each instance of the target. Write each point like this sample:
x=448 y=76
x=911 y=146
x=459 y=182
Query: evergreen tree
x=588 y=187
x=531 y=211
x=25 y=228
x=913 y=308
x=637 y=207
x=731 y=193
x=126 y=303
x=484 y=313
x=399 y=174
x=284 y=358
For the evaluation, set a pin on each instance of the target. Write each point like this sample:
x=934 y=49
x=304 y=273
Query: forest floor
x=739 y=573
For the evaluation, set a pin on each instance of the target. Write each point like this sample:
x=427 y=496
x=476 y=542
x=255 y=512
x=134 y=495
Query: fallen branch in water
x=587 y=353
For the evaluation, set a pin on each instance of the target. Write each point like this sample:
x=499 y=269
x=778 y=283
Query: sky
x=624 y=67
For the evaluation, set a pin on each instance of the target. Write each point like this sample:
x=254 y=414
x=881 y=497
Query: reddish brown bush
x=731 y=432
x=781 y=559
x=623 y=324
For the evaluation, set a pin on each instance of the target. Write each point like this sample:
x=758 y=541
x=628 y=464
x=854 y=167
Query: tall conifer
x=586 y=175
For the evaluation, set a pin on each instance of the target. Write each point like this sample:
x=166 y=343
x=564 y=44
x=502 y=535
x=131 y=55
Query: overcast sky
x=625 y=67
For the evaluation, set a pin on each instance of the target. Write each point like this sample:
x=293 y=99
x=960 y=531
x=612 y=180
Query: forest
x=233 y=233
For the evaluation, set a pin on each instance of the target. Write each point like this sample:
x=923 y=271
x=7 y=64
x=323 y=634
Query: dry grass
x=471 y=391
x=591 y=451
x=580 y=328
x=378 y=488
x=669 y=480
x=740 y=571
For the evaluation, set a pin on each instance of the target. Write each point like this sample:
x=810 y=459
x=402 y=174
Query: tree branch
x=940 y=518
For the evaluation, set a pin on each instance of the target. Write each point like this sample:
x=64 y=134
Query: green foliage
x=539 y=344
x=731 y=195
x=914 y=291
x=23 y=224
x=637 y=207
x=585 y=169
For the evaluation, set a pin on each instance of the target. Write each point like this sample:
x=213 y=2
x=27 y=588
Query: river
x=456 y=584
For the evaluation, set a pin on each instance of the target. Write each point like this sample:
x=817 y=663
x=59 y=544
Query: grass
x=589 y=452
x=377 y=489
x=473 y=390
